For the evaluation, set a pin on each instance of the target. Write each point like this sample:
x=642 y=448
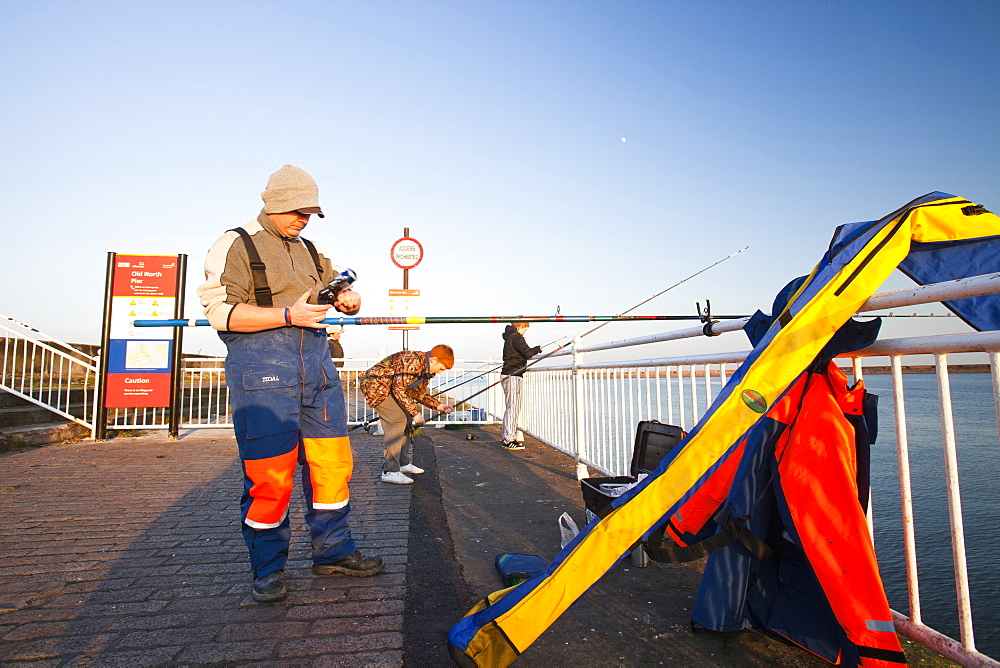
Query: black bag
x=653 y=440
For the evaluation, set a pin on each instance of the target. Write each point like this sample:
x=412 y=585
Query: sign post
x=138 y=364
x=406 y=253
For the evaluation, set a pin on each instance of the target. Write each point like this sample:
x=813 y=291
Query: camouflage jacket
x=394 y=375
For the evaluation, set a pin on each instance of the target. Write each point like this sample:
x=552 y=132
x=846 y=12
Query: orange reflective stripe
x=272 y=478
x=330 y=465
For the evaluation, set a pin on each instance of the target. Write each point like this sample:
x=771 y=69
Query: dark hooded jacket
x=516 y=352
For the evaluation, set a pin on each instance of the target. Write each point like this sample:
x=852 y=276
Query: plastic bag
x=567 y=529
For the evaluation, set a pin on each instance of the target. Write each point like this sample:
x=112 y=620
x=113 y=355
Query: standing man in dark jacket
x=515 y=359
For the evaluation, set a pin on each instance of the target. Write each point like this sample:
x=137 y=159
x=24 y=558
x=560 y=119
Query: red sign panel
x=137 y=390
x=145 y=276
x=406 y=253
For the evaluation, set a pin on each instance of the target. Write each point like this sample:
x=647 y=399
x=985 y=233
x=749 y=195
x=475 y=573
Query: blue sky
x=493 y=130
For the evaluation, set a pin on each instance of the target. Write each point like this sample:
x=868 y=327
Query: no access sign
x=406 y=253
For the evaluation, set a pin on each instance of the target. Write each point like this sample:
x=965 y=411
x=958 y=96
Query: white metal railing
x=590 y=410
x=47 y=372
x=205 y=397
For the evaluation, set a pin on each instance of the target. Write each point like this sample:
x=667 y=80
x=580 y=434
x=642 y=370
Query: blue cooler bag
x=516 y=568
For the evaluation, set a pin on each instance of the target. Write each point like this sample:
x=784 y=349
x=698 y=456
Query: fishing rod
x=436 y=320
x=480 y=375
x=430 y=320
x=413 y=320
x=484 y=373
x=701 y=317
x=683 y=280
x=369 y=423
x=441 y=391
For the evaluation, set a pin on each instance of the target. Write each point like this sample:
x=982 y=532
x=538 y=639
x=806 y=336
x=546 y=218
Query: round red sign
x=406 y=253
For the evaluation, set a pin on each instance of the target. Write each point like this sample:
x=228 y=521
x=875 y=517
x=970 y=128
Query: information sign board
x=403 y=303
x=138 y=359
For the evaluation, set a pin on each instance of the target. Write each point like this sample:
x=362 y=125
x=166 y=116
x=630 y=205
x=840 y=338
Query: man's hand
x=253 y=318
x=304 y=314
x=348 y=302
x=418 y=419
x=445 y=408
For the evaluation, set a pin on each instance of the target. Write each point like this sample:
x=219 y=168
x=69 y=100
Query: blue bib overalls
x=288 y=408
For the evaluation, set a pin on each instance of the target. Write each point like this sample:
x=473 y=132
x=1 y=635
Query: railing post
x=954 y=504
x=579 y=419
x=177 y=358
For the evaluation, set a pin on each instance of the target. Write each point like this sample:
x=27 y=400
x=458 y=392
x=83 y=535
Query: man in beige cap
x=262 y=294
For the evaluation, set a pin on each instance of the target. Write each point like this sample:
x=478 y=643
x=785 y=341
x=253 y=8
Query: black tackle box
x=653 y=440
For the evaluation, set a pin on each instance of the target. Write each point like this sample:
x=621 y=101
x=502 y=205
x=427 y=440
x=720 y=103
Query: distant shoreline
x=847 y=369
x=924 y=368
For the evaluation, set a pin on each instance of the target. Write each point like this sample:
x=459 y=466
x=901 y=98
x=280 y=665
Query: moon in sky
x=623 y=140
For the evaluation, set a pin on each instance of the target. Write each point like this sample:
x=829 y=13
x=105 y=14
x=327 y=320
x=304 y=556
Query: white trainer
x=396 y=478
x=410 y=468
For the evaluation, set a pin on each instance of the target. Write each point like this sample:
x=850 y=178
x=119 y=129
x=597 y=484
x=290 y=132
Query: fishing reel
x=705 y=316
x=342 y=281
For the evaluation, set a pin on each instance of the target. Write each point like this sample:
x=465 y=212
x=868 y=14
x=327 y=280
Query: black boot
x=357 y=565
x=270 y=587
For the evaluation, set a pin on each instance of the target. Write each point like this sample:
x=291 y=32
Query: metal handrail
x=62 y=381
x=205 y=397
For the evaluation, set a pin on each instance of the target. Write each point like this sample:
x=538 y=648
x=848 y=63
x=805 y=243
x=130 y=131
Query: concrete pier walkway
x=128 y=552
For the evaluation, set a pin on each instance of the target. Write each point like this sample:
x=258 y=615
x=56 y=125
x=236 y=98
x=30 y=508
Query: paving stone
x=378 y=581
x=181 y=604
x=340 y=644
x=377 y=593
x=34 y=630
x=312 y=596
x=146 y=622
x=346 y=609
x=229 y=566
x=351 y=625
x=361 y=660
x=54 y=647
x=151 y=656
x=230 y=652
x=93 y=581
x=118 y=595
x=173 y=636
x=275 y=629
x=86 y=609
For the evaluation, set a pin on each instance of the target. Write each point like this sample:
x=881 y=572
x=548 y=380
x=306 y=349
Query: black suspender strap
x=315 y=256
x=732 y=529
x=261 y=290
